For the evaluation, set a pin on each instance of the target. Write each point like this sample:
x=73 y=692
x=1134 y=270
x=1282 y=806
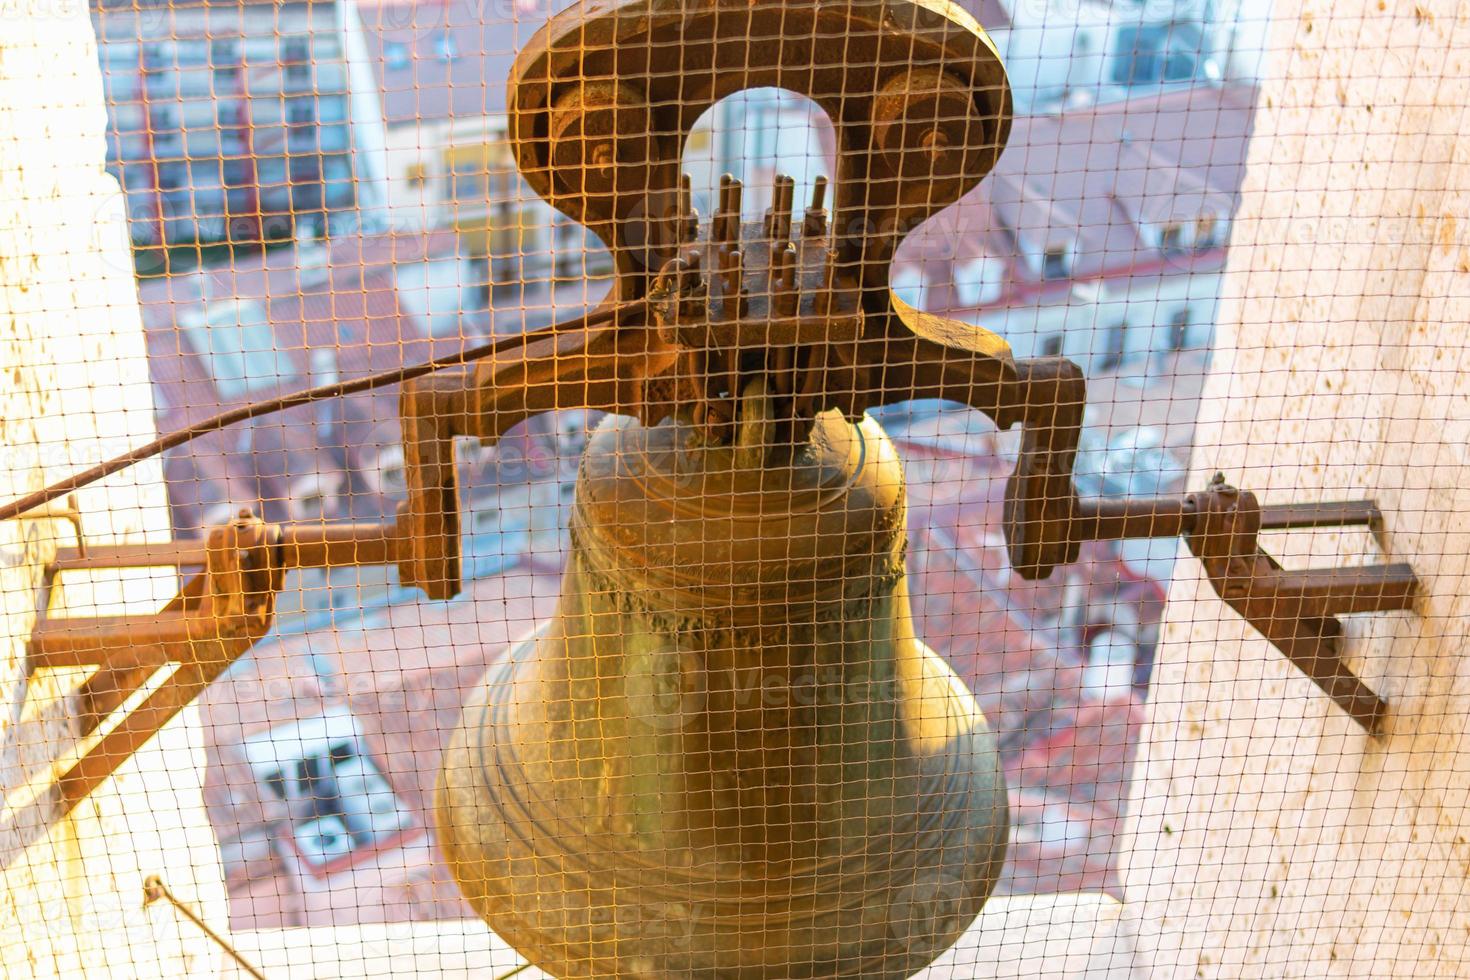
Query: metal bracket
x=149 y=667
x=1296 y=611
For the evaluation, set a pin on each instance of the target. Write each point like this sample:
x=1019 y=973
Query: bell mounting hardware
x=747 y=338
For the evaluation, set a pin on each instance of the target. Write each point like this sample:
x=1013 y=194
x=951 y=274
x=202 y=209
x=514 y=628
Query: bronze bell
x=728 y=755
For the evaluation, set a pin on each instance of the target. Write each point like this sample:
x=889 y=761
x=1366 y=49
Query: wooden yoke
x=602 y=101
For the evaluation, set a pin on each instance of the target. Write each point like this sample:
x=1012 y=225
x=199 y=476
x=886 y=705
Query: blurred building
x=297 y=318
x=287 y=320
x=1065 y=53
x=1101 y=233
x=241 y=121
x=441 y=73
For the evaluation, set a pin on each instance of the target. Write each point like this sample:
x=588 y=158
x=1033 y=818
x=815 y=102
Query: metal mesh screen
x=691 y=490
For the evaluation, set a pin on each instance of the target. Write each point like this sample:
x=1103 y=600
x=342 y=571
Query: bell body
x=727 y=755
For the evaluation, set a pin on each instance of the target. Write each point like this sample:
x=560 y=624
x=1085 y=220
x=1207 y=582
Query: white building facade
x=1076 y=52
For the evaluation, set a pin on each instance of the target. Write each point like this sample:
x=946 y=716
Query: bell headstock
x=603 y=99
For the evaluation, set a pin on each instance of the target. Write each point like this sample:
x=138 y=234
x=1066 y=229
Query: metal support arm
x=149 y=667
x=1296 y=611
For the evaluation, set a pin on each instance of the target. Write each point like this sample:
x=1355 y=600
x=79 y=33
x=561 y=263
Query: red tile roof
x=341 y=300
x=1092 y=180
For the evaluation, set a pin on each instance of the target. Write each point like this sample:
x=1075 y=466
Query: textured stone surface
x=74 y=389
x=1268 y=836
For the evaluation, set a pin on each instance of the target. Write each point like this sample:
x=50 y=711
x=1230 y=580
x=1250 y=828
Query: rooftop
x=264 y=325
x=1100 y=184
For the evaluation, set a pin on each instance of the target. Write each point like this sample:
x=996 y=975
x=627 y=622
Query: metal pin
x=732 y=282
x=778 y=218
x=814 y=224
x=688 y=217
x=784 y=296
x=726 y=230
x=826 y=300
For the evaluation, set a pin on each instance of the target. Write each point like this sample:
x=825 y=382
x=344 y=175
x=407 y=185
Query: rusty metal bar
x=1338 y=513
x=81 y=641
x=302 y=546
x=1324 y=667
x=331 y=545
x=182 y=553
x=1150 y=517
x=76 y=641
x=1343 y=591
x=1296 y=611
x=218 y=615
x=133 y=731
x=1165 y=517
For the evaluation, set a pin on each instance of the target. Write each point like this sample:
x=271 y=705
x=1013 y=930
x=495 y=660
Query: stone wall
x=1269 y=836
x=73 y=389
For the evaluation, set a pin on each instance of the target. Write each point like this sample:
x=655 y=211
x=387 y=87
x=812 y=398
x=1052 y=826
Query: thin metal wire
x=270 y=406
x=154 y=889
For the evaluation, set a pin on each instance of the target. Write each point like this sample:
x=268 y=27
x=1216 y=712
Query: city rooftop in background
x=1100 y=235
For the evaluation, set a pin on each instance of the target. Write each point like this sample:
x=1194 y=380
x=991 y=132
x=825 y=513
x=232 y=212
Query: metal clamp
x=149 y=667
x=1295 y=610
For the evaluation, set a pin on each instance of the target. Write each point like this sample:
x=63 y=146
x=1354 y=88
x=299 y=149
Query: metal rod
x=80 y=641
x=1146 y=517
x=331 y=545
x=1359 y=589
x=814 y=224
x=1165 y=517
x=1341 y=513
x=302 y=546
x=778 y=218
x=154 y=889
x=180 y=553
